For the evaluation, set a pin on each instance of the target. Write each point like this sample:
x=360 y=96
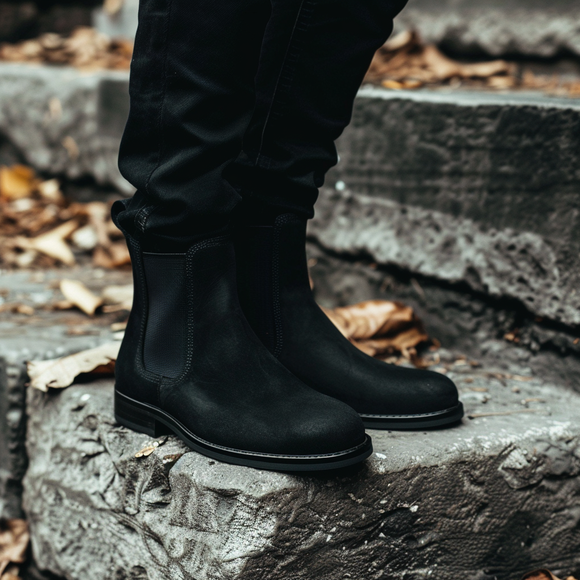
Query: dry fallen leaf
x=14 y=538
x=379 y=327
x=52 y=243
x=540 y=575
x=17 y=182
x=61 y=372
x=404 y=62
x=17 y=308
x=77 y=293
x=50 y=190
x=150 y=447
x=117 y=297
x=85 y=48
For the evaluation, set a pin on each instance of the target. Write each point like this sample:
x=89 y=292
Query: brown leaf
x=52 y=243
x=17 y=308
x=17 y=181
x=378 y=327
x=114 y=256
x=539 y=575
x=14 y=538
x=61 y=372
x=77 y=293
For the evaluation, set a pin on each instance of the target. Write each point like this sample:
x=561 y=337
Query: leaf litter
x=376 y=327
x=14 y=539
x=41 y=228
x=61 y=372
x=86 y=48
x=543 y=575
x=403 y=62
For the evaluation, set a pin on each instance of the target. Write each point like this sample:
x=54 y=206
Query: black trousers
x=239 y=101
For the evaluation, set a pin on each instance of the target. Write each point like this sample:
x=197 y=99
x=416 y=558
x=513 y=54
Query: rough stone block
x=41 y=336
x=497 y=27
x=462 y=187
x=489 y=499
x=65 y=122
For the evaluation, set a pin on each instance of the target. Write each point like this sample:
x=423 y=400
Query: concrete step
x=64 y=122
x=490 y=499
x=43 y=335
x=472 y=188
x=497 y=27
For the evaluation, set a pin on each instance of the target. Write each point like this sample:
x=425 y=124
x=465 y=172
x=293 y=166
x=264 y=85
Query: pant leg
x=192 y=96
x=305 y=94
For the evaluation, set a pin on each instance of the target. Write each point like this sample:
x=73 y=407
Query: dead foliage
x=543 y=575
x=404 y=62
x=85 y=48
x=61 y=372
x=380 y=328
x=14 y=538
x=40 y=228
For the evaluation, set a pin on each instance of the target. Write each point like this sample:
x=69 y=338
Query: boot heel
x=138 y=418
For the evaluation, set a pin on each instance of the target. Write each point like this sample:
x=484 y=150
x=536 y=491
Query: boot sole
x=155 y=422
x=411 y=422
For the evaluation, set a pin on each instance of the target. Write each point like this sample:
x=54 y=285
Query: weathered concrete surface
x=461 y=187
x=64 y=122
x=490 y=499
x=40 y=336
x=497 y=27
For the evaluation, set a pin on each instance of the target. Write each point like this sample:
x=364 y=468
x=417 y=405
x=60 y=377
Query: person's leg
x=190 y=362
x=192 y=95
x=305 y=93
x=305 y=98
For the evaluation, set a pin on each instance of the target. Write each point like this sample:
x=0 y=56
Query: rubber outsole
x=155 y=422
x=413 y=422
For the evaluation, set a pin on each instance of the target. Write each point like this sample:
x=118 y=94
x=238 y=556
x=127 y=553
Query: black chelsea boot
x=276 y=297
x=190 y=364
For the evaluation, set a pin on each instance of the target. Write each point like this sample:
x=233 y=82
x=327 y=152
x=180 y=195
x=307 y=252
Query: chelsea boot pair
x=226 y=347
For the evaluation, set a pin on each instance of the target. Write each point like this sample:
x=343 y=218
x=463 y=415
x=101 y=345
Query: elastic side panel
x=165 y=345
